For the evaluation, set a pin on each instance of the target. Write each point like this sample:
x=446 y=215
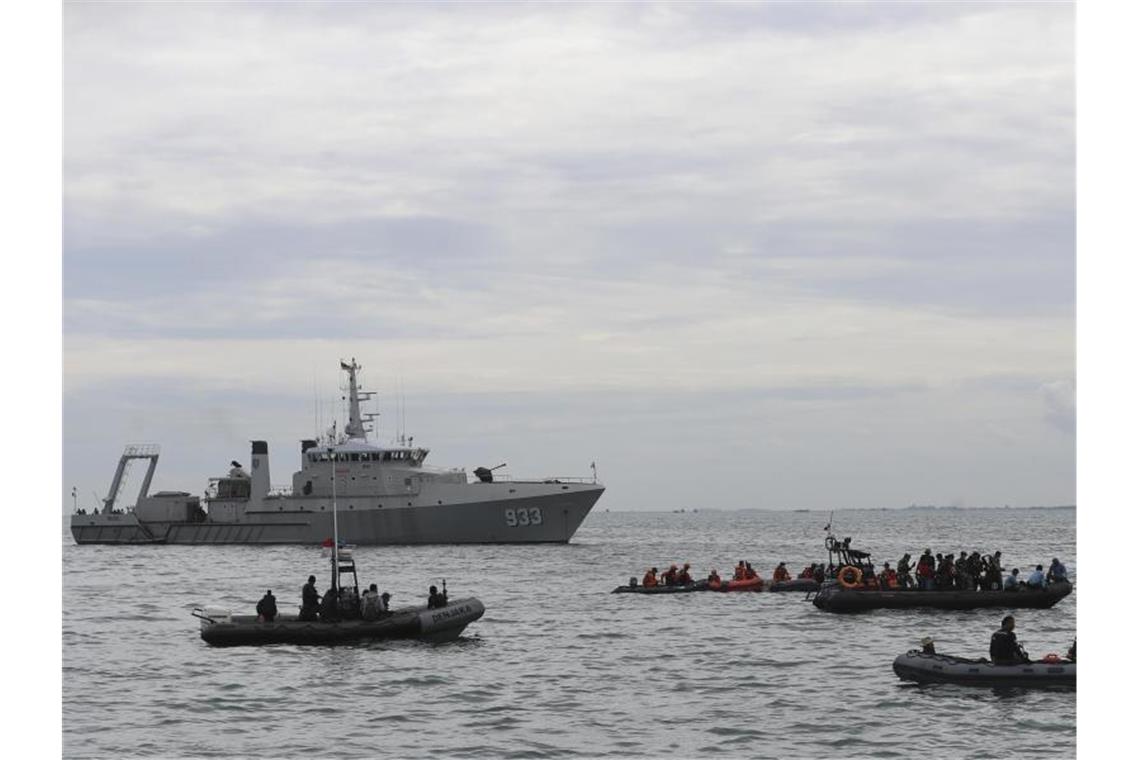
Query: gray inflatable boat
x=943 y=668
x=221 y=629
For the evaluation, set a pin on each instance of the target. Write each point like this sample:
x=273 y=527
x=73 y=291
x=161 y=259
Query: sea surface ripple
x=558 y=666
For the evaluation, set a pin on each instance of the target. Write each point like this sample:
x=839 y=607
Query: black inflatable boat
x=834 y=597
x=796 y=584
x=221 y=629
x=701 y=585
x=941 y=668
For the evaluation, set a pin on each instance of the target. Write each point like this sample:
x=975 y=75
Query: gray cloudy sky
x=775 y=256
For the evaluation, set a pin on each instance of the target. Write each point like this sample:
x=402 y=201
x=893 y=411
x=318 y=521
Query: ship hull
x=539 y=518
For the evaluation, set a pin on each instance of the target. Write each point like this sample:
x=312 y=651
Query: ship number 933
x=524 y=517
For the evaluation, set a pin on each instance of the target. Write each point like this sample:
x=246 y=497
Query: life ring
x=850 y=577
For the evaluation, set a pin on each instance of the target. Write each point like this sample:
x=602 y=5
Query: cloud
x=805 y=201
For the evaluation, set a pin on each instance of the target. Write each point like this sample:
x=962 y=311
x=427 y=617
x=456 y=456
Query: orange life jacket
x=738 y=575
x=649 y=581
x=781 y=574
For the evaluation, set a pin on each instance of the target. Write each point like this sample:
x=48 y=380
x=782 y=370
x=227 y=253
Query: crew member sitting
x=670 y=576
x=267 y=607
x=650 y=579
x=928 y=645
x=1036 y=578
x=749 y=573
x=1004 y=649
x=714 y=579
x=1057 y=572
x=436 y=599
x=807 y=572
x=1012 y=583
x=888 y=578
x=738 y=574
x=330 y=606
x=310 y=600
x=683 y=577
x=781 y=574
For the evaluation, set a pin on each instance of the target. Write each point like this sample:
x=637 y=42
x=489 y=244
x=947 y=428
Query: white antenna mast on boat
x=336 y=535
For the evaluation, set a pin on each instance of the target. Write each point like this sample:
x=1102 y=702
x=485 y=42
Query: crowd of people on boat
x=671 y=577
x=743 y=571
x=334 y=605
x=930 y=572
x=947 y=572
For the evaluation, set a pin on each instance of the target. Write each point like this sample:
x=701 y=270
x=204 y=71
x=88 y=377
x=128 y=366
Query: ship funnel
x=259 y=471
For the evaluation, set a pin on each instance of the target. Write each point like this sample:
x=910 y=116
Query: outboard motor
x=485 y=474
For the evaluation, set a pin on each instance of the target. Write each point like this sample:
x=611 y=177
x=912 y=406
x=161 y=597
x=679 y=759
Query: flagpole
x=336 y=537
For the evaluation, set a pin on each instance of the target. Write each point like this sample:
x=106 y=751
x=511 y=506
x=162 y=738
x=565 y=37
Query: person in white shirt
x=1012 y=582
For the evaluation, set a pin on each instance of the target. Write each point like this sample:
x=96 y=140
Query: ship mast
x=355 y=427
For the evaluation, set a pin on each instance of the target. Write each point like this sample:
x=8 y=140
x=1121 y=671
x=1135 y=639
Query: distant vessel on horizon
x=386 y=495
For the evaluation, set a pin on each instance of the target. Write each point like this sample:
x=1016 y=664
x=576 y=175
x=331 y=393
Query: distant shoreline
x=827 y=510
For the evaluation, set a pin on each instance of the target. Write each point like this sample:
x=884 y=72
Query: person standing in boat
x=961 y=574
x=310 y=600
x=1004 y=649
x=370 y=603
x=903 y=572
x=267 y=607
x=436 y=598
x=926 y=571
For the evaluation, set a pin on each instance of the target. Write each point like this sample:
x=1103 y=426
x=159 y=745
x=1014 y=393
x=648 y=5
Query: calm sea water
x=558 y=666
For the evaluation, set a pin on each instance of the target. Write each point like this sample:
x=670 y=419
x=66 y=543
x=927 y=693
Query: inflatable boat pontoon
x=941 y=668
x=221 y=629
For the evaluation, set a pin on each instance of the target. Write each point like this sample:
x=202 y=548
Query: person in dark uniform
x=267 y=607
x=310 y=600
x=436 y=599
x=1004 y=649
x=330 y=606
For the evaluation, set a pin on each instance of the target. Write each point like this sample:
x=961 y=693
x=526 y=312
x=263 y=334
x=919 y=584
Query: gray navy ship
x=384 y=495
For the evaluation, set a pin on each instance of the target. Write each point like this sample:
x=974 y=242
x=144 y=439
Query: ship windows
x=354 y=457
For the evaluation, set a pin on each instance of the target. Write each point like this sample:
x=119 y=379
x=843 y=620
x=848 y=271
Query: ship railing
x=554 y=479
x=277 y=492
